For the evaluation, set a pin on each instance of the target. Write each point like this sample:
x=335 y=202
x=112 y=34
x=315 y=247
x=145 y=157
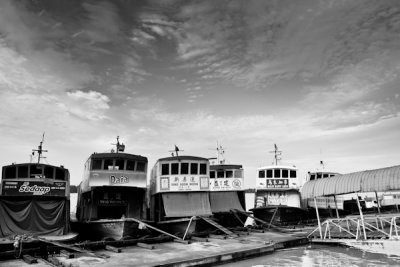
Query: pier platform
x=208 y=251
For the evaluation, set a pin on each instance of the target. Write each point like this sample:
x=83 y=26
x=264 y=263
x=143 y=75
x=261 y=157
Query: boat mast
x=220 y=154
x=176 y=150
x=39 y=150
x=277 y=153
x=120 y=146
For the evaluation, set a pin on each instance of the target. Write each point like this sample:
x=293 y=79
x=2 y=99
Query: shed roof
x=384 y=179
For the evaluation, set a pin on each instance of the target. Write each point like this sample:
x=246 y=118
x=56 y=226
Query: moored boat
x=277 y=194
x=179 y=194
x=111 y=196
x=227 y=194
x=34 y=200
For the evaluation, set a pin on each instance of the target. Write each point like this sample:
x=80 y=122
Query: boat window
x=175 y=168
x=261 y=174
x=22 y=171
x=319 y=175
x=203 y=168
x=130 y=165
x=11 y=172
x=60 y=174
x=238 y=174
x=194 y=168
x=108 y=164
x=48 y=172
x=119 y=164
x=220 y=174
x=96 y=164
x=140 y=166
x=312 y=177
x=36 y=171
x=326 y=175
x=212 y=174
x=165 y=169
x=184 y=168
x=277 y=173
x=229 y=174
x=285 y=173
x=293 y=174
x=269 y=173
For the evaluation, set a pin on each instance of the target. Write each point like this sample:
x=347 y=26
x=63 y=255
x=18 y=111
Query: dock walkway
x=208 y=252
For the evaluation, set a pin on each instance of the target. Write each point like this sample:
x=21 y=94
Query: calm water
x=320 y=255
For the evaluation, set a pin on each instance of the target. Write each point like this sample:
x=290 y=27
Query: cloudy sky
x=318 y=78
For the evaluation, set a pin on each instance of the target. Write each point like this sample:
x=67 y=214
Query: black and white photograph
x=251 y=133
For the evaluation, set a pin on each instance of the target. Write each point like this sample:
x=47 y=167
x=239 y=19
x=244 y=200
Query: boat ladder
x=217 y=225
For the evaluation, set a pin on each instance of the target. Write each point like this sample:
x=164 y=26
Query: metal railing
x=359 y=227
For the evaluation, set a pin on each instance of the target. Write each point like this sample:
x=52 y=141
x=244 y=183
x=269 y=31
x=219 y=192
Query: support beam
x=377 y=202
x=362 y=217
x=319 y=221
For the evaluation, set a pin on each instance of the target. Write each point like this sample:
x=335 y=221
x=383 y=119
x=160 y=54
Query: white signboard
x=117 y=179
x=277 y=198
x=226 y=184
x=183 y=183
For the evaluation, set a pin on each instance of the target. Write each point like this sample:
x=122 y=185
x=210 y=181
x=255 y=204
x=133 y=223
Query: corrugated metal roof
x=379 y=180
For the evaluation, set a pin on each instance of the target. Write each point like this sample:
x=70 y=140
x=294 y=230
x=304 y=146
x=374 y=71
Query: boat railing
x=359 y=227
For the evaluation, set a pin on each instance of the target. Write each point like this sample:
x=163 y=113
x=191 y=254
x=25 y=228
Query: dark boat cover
x=186 y=204
x=33 y=217
x=224 y=201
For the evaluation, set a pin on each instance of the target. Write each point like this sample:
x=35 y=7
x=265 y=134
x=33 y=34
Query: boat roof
x=34 y=163
x=117 y=155
x=379 y=180
x=225 y=167
x=182 y=158
x=277 y=167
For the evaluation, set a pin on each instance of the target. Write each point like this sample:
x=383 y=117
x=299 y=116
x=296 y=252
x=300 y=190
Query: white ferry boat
x=277 y=194
x=111 y=196
x=179 y=187
x=227 y=192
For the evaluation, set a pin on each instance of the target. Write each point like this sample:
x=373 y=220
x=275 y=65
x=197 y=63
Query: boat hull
x=115 y=229
x=284 y=215
x=179 y=227
x=228 y=219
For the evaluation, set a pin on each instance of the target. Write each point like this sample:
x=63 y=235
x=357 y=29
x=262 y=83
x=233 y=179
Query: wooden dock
x=197 y=251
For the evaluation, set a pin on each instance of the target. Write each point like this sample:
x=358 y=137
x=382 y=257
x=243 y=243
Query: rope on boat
x=18 y=240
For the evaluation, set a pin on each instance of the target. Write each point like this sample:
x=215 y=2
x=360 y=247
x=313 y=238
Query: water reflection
x=320 y=255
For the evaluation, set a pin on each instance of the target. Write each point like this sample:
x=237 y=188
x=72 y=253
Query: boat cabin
x=321 y=174
x=277 y=185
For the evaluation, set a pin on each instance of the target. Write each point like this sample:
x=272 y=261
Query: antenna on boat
x=176 y=151
x=39 y=150
x=220 y=154
x=120 y=146
x=220 y=159
x=277 y=153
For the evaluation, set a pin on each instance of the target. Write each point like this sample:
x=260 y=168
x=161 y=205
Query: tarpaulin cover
x=224 y=201
x=33 y=216
x=186 y=204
